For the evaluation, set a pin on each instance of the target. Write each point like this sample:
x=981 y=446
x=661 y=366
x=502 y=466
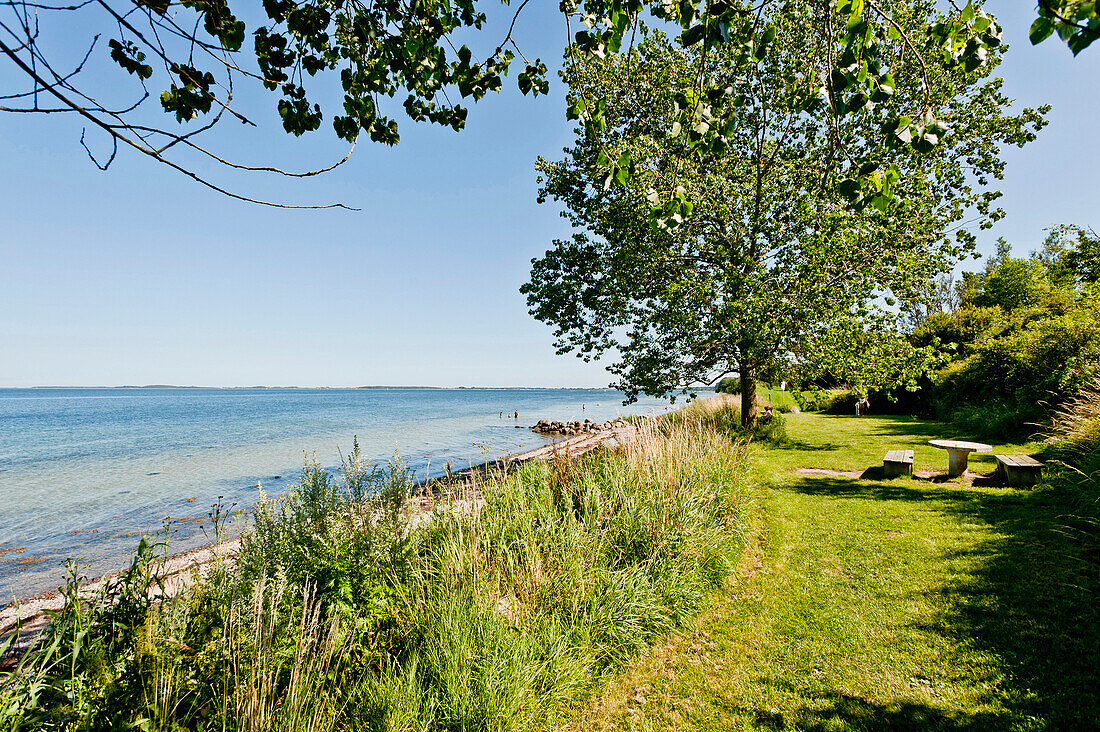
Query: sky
x=140 y=276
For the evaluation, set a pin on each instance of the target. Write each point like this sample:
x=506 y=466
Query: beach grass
x=505 y=610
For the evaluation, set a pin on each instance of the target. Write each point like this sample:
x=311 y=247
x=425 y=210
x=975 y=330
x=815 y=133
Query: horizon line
x=266 y=386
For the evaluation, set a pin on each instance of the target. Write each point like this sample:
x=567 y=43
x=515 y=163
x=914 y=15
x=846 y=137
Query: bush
x=728 y=385
x=1010 y=380
x=958 y=329
x=996 y=420
x=1026 y=338
x=822 y=400
x=839 y=401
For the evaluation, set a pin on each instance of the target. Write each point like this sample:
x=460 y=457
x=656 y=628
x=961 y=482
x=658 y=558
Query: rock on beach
x=556 y=427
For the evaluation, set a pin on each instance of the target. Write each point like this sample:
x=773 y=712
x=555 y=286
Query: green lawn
x=871 y=604
x=777 y=397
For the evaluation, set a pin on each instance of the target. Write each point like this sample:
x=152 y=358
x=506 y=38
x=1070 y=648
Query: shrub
x=996 y=420
x=958 y=329
x=840 y=401
x=821 y=400
x=728 y=385
x=1012 y=378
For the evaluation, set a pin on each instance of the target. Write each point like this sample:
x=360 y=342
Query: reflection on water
x=85 y=472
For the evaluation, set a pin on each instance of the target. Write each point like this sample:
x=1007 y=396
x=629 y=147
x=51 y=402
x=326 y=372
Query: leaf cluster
x=1026 y=335
x=1077 y=23
x=772 y=267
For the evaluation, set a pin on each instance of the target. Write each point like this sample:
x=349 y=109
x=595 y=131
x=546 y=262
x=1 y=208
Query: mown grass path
x=870 y=604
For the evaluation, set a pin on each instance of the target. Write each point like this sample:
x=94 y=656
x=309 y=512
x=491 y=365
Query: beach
x=459 y=490
x=86 y=472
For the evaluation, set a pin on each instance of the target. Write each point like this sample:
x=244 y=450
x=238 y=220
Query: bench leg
x=1016 y=476
x=894 y=470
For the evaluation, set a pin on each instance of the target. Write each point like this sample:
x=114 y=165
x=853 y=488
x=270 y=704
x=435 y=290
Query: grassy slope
x=881 y=605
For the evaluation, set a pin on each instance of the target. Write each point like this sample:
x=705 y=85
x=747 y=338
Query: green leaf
x=693 y=35
x=622 y=175
x=577 y=110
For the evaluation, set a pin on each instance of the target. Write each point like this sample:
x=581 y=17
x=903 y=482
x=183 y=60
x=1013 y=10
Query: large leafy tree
x=770 y=268
x=403 y=57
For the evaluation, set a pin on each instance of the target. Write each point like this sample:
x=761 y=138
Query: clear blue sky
x=139 y=276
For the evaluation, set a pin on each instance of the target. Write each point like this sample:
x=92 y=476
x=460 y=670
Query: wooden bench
x=1019 y=469
x=897 y=462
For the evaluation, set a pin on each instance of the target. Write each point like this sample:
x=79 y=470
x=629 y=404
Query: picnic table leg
x=956 y=462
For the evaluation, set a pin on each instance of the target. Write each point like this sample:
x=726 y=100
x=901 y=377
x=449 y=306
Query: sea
x=85 y=473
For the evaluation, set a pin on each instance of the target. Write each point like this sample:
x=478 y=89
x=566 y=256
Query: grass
x=342 y=613
x=679 y=583
x=869 y=604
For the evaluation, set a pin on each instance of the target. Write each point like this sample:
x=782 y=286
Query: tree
x=728 y=385
x=772 y=268
x=1072 y=254
x=393 y=56
x=940 y=295
x=1025 y=336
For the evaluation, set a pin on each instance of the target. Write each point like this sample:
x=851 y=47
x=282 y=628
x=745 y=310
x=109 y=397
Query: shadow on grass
x=807 y=446
x=1031 y=602
x=882 y=490
x=917 y=429
x=842 y=711
x=892 y=424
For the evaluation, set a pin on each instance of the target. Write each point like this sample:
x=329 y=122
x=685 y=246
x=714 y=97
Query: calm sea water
x=85 y=472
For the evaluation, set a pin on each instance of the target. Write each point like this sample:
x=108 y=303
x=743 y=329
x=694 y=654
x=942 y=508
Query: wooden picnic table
x=958 y=452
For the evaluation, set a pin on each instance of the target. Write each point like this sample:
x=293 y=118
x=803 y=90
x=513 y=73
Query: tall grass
x=1072 y=475
x=343 y=611
x=1076 y=425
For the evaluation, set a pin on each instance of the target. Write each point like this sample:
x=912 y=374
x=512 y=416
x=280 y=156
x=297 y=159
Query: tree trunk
x=748 y=396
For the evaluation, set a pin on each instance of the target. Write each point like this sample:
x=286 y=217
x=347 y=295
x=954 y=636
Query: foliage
x=1077 y=22
x=1026 y=335
x=935 y=297
x=345 y=610
x=1072 y=254
x=324 y=537
x=822 y=400
x=956 y=330
x=772 y=270
x=200 y=52
x=728 y=385
x=94 y=656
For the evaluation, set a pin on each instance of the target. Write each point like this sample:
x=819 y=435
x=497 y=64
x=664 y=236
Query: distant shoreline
x=329 y=388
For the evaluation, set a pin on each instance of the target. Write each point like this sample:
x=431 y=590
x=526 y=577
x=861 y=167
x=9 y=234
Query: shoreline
x=89 y=473
x=31 y=614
